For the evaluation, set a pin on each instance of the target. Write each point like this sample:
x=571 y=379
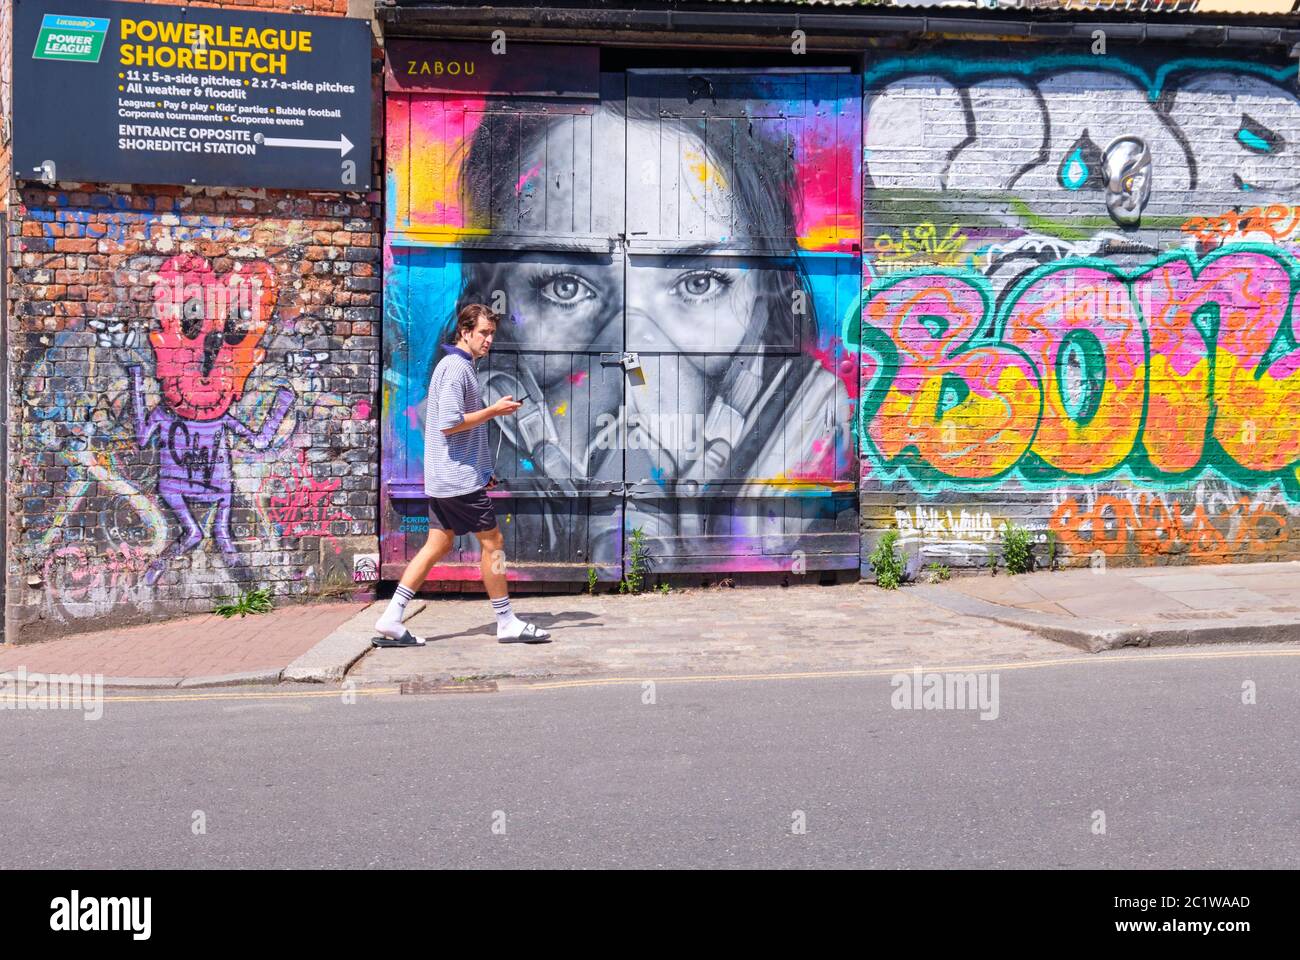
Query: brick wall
x=1030 y=356
x=122 y=508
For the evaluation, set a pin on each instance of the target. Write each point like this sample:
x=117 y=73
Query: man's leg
x=417 y=571
x=493 y=565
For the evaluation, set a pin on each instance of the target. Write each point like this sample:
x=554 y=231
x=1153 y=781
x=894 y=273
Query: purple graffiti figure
x=205 y=351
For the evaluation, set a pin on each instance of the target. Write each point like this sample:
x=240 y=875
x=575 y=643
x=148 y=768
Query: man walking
x=457 y=475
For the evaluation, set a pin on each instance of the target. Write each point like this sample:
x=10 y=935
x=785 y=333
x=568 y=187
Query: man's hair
x=470 y=315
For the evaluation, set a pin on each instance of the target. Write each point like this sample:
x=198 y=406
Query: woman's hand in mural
x=118 y=336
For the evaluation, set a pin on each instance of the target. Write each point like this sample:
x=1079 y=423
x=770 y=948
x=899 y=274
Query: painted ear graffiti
x=1126 y=166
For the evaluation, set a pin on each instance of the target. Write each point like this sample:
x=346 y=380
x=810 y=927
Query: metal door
x=673 y=262
x=742 y=260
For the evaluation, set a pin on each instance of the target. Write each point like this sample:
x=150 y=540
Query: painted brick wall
x=1127 y=390
x=122 y=508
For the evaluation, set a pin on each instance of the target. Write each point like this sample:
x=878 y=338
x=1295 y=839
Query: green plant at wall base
x=665 y=589
x=938 y=572
x=591 y=581
x=638 y=564
x=1017 y=549
x=250 y=601
x=886 y=565
x=1051 y=549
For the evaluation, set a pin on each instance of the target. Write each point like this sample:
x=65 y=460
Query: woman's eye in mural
x=700 y=286
x=564 y=290
x=1256 y=137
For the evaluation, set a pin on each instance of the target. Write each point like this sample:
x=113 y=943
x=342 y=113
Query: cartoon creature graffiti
x=205 y=352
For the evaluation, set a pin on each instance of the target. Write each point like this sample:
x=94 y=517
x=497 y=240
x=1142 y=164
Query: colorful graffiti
x=301 y=505
x=1065 y=346
x=1150 y=526
x=183 y=355
x=1277 y=222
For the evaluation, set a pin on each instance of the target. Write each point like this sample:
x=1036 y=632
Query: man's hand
x=501 y=408
x=492 y=482
x=506 y=405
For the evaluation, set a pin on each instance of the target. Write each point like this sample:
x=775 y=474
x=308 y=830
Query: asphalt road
x=711 y=774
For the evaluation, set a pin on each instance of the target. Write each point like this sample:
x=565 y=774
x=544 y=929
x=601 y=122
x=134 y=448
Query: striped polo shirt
x=459 y=463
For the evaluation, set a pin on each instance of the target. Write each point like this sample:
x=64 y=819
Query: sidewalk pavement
x=1109 y=607
x=196 y=651
x=703 y=632
x=698 y=632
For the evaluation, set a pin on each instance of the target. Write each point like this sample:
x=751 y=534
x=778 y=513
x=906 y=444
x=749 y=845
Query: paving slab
x=1178 y=583
x=699 y=632
x=1140 y=606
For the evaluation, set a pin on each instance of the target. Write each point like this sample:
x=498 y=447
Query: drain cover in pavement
x=449 y=686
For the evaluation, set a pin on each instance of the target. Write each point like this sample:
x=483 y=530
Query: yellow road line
x=268 y=695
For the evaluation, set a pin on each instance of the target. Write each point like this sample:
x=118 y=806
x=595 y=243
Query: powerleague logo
x=70 y=38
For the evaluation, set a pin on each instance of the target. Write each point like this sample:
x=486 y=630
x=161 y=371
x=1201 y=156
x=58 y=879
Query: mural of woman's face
x=681 y=301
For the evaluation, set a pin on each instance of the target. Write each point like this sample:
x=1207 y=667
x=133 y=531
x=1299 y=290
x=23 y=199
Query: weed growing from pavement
x=638 y=564
x=885 y=563
x=591 y=581
x=250 y=601
x=1017 y=549
x=938 y=572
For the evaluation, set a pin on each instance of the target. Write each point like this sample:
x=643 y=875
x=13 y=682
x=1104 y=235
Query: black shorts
x=468 y=513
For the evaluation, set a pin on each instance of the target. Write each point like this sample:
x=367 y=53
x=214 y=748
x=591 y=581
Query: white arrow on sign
x=342 y=144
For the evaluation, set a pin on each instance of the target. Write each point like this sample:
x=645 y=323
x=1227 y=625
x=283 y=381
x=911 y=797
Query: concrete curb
x=330 y=660
x=269 y=675
x=248 y=678
x=1097 y=635
x=143 y=682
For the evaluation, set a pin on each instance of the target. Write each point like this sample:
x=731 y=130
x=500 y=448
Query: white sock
x=507 y=622
x=390 y=621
